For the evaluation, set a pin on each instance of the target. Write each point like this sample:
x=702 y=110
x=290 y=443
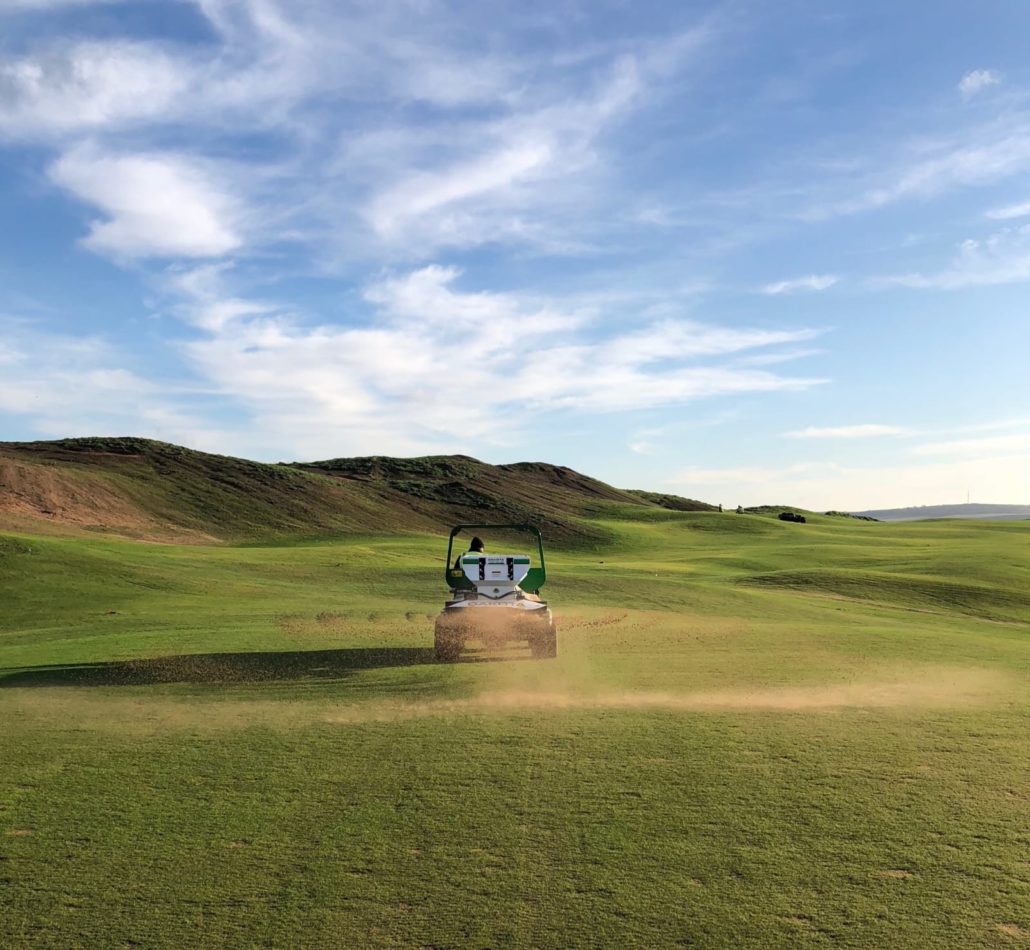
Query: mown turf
x=757 y=734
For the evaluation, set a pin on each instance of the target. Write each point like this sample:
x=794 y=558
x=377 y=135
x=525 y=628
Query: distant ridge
x=153 y=490
x=925 y=512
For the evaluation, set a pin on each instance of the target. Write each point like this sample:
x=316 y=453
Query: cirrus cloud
x=432 y=366
x=865 y=431
x=811 y=282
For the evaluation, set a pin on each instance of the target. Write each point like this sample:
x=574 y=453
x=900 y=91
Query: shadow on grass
x=222 y=668
x=215 y=668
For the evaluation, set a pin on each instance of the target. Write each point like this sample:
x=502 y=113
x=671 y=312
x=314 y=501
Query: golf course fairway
x=756 y=734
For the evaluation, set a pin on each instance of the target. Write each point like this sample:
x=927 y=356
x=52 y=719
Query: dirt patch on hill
x=54 y=495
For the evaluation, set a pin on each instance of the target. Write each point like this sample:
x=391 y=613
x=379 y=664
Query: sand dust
x=958 y=689
x=71 y=708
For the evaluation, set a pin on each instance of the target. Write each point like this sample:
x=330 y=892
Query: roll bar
x=531 y=583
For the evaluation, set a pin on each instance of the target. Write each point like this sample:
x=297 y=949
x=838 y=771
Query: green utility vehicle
x=495 y=599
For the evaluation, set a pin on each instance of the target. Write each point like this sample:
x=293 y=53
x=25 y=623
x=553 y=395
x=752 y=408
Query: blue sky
x=742 y=251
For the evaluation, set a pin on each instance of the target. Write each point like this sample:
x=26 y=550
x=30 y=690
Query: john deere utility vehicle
x=495 y=599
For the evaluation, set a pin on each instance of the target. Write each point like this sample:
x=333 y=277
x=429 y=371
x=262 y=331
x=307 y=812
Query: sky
x=746 y=252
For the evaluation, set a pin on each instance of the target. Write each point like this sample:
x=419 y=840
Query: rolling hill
x=156 y=491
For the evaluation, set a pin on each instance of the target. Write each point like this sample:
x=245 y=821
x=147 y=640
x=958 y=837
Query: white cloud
x=201 y=300
x=778 y=356
x=1016 y=443
x=512 y=151
x=87 y=86
x=517 y=176
x=68 y=386
x=1009 y=212
x=825 y=486
x=362 y=51
x=428 y=192
x=976 y=81
x=155 y=205
x=1002 y=258
x=811 y=282
x=847 y=432
x=992 y=152
x=435 y=368
x=67 y=380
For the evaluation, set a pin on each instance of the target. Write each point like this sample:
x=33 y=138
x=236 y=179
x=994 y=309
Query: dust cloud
x=69 y=708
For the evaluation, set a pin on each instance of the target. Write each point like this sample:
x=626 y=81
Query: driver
x=476 y=546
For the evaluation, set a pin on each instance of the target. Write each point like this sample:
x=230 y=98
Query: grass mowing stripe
x=253 y=750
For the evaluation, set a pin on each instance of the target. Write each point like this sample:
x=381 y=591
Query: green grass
x=757 y=734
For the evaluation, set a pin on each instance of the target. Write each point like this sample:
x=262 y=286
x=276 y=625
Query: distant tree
x=740 y=509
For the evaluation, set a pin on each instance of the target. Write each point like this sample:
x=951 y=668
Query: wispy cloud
x=510 y=150
x=866 y=431
x=88 y=86
x=824 y=486
x=1009 y=212
x=427 y=193
x=1002 y=258
x=307 y=384
x=976 y=81
x=61 y=381
x=923 y=168
x=811 y=282
x=66 y=385
x=992 y=446
x=522 y=175
x=155 y=205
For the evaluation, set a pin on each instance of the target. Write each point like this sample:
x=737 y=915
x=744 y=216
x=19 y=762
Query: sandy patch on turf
x=962 y=688
x=63 y=707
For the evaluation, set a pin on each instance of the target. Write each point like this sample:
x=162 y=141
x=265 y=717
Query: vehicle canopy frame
x=531 y=583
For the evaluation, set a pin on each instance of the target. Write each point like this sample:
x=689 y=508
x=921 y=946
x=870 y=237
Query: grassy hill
x=152 y=490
